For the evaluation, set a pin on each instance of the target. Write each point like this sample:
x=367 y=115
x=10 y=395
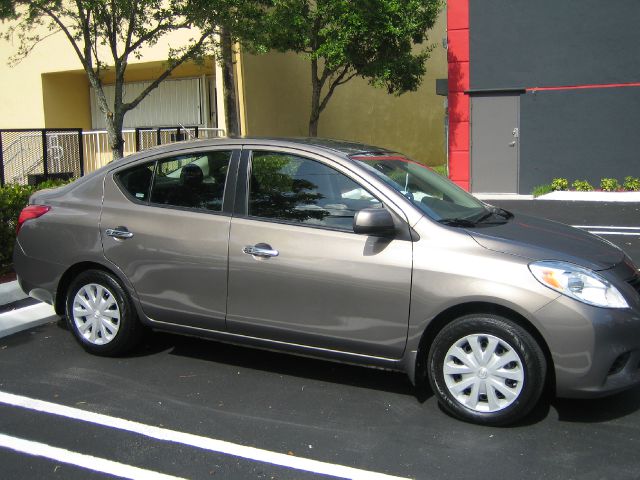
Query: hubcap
x=96 y=314
x=483 y=373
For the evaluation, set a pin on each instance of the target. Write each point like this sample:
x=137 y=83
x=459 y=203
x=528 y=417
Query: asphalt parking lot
x=188 y=408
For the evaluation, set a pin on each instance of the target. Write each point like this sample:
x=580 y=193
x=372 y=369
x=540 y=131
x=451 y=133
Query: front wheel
x=486 y=369
x=101 y=315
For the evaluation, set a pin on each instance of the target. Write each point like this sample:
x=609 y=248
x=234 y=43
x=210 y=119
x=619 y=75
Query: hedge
x=13 y=198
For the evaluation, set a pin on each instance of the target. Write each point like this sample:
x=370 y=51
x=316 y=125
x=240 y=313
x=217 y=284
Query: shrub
x=609 y=185
x=631 y=184
x=13 y=198
x=560 y=184
x=441 y=169
x=542 y=190
x=582 y=186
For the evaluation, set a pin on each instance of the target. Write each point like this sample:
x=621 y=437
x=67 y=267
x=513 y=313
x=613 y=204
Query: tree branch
x=22 y=54
x=151 y=33
x=339 y=80
x=130 y=29
x=188 y=54
x=66 y=31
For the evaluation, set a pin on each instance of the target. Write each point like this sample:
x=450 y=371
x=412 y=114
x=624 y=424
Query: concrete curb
x=11 y=292
x=25 y=318
x=633 y=197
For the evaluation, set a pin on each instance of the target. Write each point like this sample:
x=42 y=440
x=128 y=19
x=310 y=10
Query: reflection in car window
x=137 y=180
x=295 y=189
x=430 y=192
x=192 y=181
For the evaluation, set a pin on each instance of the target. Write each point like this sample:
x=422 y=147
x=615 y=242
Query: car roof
x=341 y=147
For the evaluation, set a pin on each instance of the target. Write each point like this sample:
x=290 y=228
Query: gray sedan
x=341 y=251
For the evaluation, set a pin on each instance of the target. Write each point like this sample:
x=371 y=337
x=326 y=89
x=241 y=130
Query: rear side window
x=192 y=181
x=136 y=181
x=295 y=189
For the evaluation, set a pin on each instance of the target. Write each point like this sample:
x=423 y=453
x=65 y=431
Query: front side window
x=295 y=189
x=192 y=181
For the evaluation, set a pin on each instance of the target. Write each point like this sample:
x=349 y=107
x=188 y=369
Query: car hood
x=540 y=239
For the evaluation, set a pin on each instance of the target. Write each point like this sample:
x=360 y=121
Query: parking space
x=188 y=397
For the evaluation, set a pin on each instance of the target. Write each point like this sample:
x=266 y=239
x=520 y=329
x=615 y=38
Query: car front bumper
x=595 y=351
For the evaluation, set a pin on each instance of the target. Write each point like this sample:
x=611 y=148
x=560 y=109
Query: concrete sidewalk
x=22 y=317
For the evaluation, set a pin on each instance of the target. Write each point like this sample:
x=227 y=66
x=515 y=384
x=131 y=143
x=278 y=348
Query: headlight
x=576 y=282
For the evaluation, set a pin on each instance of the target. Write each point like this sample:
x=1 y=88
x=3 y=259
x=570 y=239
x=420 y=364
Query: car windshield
x=430 y=192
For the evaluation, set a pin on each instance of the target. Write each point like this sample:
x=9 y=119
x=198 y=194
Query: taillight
x=30 y=212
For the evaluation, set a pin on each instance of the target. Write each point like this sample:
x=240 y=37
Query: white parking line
x=205 y=443
x=609 y=227
x=80 y=460
x=609 y=232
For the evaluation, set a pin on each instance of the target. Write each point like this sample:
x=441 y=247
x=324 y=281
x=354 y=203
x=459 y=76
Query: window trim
x=125 y=191
x=229 y=192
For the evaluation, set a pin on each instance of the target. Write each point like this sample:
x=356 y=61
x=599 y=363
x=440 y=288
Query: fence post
x=45 y=154
x=158 y=138
x=1 y=163
x=137 y=139
x=81 y=151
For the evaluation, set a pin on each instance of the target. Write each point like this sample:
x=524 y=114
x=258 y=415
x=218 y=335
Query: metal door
x=176 y=259
x=495 y=138
x=321 y=287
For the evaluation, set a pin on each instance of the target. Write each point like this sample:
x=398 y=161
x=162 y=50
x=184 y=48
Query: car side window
x=295 y=189
x=192 y=181
x=136 y=181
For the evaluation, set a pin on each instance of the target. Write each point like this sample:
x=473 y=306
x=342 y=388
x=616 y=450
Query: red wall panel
x=458 y=59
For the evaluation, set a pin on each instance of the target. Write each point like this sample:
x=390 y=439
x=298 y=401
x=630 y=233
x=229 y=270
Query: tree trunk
x=114 y=131
x=230 y=100
x=314 y=118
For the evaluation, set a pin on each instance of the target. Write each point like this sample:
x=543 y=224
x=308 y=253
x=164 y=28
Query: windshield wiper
x=484 y=216
x=503 y=213
x=457 y=222
x=500 y=212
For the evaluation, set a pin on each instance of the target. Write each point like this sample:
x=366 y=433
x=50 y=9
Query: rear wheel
x=100 y=314
x=486 y=369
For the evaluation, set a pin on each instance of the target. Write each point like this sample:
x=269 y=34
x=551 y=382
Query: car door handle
x=121 y=233
x=260 y=250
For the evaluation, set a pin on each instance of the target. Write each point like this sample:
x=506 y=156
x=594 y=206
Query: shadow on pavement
x=600 y=409
x=280 y=363
x=569 y=410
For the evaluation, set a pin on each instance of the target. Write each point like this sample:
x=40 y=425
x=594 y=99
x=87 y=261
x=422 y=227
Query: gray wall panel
x=579 y=134
x=534 y=43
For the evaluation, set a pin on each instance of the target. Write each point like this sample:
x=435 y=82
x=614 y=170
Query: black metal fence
x=30 y=156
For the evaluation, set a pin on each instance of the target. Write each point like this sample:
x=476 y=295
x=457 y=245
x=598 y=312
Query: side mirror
x=374 y=221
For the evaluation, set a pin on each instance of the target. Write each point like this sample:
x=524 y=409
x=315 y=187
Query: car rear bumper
x=38 y=278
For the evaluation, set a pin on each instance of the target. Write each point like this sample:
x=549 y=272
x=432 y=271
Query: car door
x=165 y=224
x=297 y=271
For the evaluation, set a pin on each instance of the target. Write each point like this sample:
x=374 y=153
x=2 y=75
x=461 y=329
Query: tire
x=486 y=369
x=100 y=314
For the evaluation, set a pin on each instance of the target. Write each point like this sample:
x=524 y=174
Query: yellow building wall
x=278 y=98
x=65 y=100
x=33 y=92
